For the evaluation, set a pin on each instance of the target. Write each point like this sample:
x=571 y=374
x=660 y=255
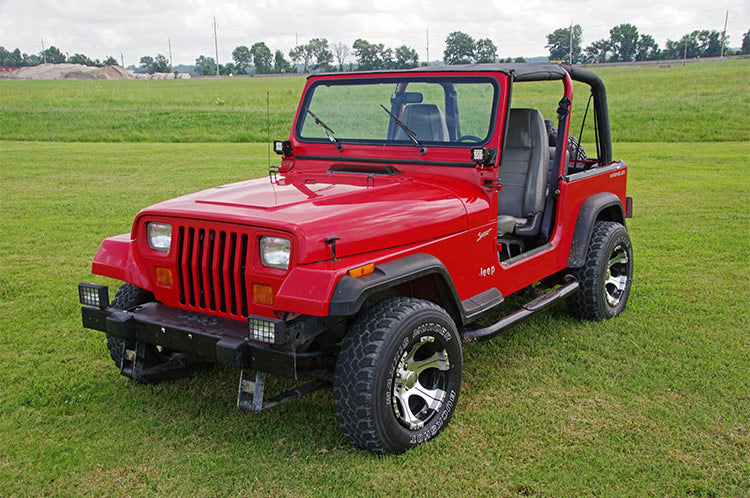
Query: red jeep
x=408 y=204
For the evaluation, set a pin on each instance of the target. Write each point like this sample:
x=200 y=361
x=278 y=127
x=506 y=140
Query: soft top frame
x=521 y=72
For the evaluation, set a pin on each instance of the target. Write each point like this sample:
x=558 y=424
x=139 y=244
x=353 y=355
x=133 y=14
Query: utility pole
x=571 y=43
x=122 y=61
x=216 y=46
x=44 y=56
x=724 y=34
x=169 y=41
x=428 y=45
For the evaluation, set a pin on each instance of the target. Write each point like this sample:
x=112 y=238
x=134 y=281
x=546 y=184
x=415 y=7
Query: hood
x=366 y=213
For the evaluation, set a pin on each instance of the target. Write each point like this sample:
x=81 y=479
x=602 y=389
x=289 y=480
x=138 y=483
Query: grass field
x=697 y=102
x=653 y=403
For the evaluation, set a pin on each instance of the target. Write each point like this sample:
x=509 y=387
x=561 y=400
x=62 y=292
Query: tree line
x=626 y=44
x=15 y=58
x=320 y=55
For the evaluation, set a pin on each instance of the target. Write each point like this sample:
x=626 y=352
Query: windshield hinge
x=493 y=183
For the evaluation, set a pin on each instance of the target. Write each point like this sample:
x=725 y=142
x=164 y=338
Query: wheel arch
x=394 y=278
x=604 y=206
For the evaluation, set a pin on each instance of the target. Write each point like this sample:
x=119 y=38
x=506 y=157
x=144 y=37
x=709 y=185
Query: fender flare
x=592 y=208
x=351 y=293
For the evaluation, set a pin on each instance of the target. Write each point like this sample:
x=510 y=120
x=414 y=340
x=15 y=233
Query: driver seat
x=426 y=121
x=523 y=174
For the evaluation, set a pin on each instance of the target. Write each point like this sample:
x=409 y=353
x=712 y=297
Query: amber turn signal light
x=164 y=276
x=263 y=294
x=361 y=271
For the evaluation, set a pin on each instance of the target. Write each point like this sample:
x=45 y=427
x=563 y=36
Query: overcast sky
x=142 y=27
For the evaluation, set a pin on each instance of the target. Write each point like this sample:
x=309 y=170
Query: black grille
x=212 y=264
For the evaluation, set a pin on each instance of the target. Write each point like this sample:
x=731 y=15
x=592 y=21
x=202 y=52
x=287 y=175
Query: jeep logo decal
x=485 y=272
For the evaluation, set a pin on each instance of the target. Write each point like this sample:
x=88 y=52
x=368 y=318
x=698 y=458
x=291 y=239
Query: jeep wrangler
x=406 y=206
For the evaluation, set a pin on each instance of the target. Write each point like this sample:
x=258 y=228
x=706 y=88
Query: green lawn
x=695 y=102
x=655 y=402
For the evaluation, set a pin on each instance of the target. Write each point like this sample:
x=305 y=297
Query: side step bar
x=528 y=309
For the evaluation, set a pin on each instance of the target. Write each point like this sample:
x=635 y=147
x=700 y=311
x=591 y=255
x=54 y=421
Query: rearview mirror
x=400 y=98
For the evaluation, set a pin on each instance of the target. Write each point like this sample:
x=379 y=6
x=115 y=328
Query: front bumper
x=217 y=339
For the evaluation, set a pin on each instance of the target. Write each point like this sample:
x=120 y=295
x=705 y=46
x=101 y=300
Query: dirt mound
x=68 y=72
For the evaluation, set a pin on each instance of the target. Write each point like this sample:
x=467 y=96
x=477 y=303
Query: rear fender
x=604 y=206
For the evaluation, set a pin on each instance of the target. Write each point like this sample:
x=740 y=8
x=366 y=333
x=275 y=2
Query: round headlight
x=275 y=251
x=159 y=236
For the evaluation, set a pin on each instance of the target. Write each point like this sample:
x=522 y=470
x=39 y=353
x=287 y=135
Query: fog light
x=283 y=148
x=483 y=156
x=93 y=295
x=268 y=330
x=263 y=294
x=164 y=276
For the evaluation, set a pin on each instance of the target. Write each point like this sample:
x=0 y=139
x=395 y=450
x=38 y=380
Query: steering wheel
x=468 y=137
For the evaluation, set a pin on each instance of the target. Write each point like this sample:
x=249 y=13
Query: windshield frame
x=400 y=79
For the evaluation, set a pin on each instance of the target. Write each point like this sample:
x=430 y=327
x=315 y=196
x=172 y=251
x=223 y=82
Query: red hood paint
x=366 y=213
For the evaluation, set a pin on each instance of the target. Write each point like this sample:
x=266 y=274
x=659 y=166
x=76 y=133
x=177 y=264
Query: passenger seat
x=523 y=173
x=426 y=121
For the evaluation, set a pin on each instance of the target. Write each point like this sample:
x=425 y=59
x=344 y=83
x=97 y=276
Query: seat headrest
x=426 y=121
x=522 y=124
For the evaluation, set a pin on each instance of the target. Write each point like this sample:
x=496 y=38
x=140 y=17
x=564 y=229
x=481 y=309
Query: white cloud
x=142 y=27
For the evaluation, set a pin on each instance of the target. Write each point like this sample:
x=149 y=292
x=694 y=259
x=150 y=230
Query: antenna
x=268 y=125
x=216 y=46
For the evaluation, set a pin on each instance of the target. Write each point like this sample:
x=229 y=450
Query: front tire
x=128 y=297
x=398 y=375
x=606 y=275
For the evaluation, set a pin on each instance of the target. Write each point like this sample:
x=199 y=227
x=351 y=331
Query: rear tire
x=606 y=275
x=398 y=375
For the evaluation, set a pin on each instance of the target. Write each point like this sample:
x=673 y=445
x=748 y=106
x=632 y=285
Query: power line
x=724 y=34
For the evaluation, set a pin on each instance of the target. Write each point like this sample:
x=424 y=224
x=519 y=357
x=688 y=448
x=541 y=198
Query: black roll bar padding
x=601 y=109
x=511 y=79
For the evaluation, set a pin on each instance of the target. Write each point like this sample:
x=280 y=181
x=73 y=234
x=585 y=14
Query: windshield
x=448 y=111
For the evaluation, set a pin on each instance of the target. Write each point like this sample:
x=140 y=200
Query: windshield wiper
x=326 y=129
x=409 y=133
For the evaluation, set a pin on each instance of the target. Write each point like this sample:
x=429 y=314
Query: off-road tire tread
x=355 y=370
x=128 y=296
x=572 y=146
x=583 y=303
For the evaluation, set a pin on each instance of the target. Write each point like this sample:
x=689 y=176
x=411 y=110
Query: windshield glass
x=434 y=111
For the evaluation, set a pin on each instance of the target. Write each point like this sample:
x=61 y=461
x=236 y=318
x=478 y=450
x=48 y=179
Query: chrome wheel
x=419 y=383
x=616 y=275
